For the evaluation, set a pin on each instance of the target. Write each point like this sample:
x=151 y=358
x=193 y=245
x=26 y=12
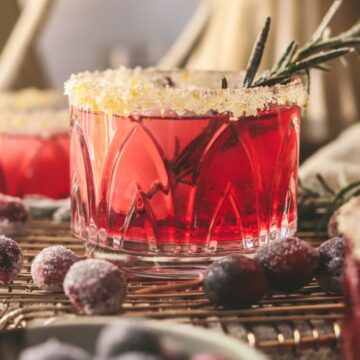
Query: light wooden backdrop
x=222 y=32
x=219 y=36
x=20 y=66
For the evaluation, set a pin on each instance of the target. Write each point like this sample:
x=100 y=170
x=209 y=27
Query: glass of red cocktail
x=170 y=171
x=34 y=144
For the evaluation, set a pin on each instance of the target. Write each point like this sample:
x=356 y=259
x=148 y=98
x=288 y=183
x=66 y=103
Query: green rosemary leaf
x=317 y=59
x=272 y=80
x=169 y=81
x=290 y=54
x=301 y=66
x=308 y=80
x=322 y=67
x=224 y=84
x=256 y=54
x=332 y=43
x=344 y=194
x=298 y=61
x=325 y=22
x=285 y=81
x=324 y=184
x=285 y=57
x=341 y=194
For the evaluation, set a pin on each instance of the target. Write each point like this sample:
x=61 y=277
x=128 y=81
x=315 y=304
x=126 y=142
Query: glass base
x=169 y=265
x=161 y=267
x=158 y=267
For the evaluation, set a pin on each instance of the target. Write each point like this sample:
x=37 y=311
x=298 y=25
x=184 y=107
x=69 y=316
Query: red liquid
x=184 y=185
x=31 y=164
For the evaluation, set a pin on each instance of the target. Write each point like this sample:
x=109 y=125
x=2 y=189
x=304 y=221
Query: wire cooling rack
x=281 y=322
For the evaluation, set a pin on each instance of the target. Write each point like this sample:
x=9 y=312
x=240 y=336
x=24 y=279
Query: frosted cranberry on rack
x=50 y=266
x=95 y=287
x=289 y=263
x=14 y=216
x=332 y=254
x=11 y=259
x=234 y=282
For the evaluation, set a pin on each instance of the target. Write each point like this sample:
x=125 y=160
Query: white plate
x=83 y=332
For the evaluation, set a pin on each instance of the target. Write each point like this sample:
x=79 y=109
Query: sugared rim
x=33 y=112
x=126 y=92
x=30 y=99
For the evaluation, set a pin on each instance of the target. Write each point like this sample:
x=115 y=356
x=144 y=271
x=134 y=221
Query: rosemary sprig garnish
x=323 y=197
x=224 y=84
x=169 y=81
x=297 y=60
x=318 y=34
x=285 y=58
x=256 y=54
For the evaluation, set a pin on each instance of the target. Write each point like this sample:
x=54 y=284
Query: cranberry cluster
x=98 y=287
x=14 y=216
x=281 y=265
x=93 y=286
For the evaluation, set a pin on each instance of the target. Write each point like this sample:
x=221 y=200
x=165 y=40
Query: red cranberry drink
x=34 y=143
x=170 y=171
x=349 y=225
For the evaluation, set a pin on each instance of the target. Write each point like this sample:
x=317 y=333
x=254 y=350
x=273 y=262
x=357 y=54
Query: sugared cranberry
x=288 y=263
x=11 y=259
x=127 y=336
x=235 y=282
x=54 y=350
x=13 y=209
x=95 y=287
x=50 y=266
x=330 y=272
x=14 y=216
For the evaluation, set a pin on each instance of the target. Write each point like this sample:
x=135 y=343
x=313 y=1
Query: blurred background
x=88 y=35
x=68 y=36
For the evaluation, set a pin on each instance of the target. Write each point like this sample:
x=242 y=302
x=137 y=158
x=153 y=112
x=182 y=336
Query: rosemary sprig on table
x=338 y=199
x=297 y=60
x=323 y=195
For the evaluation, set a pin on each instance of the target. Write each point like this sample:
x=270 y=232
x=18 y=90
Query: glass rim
x=126 y=92
x=33 y=112
x=43 y=122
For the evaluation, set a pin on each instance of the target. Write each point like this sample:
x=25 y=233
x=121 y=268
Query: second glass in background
x=34 y=143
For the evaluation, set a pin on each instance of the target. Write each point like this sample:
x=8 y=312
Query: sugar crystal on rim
x=147 y=91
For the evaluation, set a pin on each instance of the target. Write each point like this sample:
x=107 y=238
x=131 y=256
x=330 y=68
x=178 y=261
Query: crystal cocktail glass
x=169 y=171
